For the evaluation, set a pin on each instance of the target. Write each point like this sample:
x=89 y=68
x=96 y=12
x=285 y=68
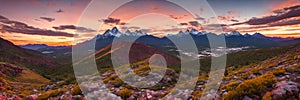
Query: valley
x=149 y=50
x=56 y=79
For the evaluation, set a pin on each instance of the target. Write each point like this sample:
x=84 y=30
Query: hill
x=275 y=78
x=37 y=62
x=23 y=72
x=139 y=53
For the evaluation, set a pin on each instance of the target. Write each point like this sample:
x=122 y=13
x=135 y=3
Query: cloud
x=177 y=17
x=227 y=18
x=160 y=31
x=285 y=22
x=199 y=18
x=34 y=31
x=183 y=24
x=281 y=14
x=59 y=11
x=288 y=34
x=47 y=19
x=233 y=12
x=3 y=18
x=130 y=27
x=234 y=20
x=217 y=27
x=294 y=29
x=252 y=30
x=83 y=29
x=64 y=27
x=230 y=16
x=122 y=23
x=73 y=27
x=110 y=20
x=194 y=23
x=19 y=27
x=283 y=4
x=146 y=30
x=170 y=30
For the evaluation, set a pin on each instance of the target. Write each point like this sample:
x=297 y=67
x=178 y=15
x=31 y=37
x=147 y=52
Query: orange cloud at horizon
x=24 y=39
x=286 y=3
x=292 y=35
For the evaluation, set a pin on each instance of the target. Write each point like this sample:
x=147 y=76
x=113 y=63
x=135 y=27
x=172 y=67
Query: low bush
x=76 y=90
x=278 y=72
x=267 y=96
x=125 y=93
x=254 y=86
x=52 y=93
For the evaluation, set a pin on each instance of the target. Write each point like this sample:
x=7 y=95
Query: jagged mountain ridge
x=116 y=33
x=233 y=39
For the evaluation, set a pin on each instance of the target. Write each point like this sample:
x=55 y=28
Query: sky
x=58 y=22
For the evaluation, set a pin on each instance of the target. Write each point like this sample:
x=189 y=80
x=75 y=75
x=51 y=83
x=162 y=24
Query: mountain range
x=41 y=46
x=22 y=65
x=233 y=39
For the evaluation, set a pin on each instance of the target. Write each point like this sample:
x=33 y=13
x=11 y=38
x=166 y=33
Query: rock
x=235 y=77
x=287 y=76
x=247 y=98
x=281 y=78
x=285 y=90
x=281 y=62
x=262 y=72
x=246 y=69
x=239 y=81
x=251 y=76
x=212 y=97
x=201 y=83
x=297 y=57
x=287 y=73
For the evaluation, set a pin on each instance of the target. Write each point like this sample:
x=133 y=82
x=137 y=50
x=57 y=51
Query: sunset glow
x=55 y=22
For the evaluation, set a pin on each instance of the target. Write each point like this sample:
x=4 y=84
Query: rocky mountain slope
x=276 y=78
x=16 y=55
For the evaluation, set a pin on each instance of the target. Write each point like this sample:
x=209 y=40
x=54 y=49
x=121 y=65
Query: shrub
x=267 y=96
x=76 y=90
x=197 y=94
x=2 y=84
x=230 y=86
x=117 y=82
x=278 y=72
x=125 y=93
x=252 y=87
x=52 y=93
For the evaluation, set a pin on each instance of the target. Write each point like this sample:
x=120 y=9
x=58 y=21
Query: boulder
x=212 y=97
x=285 y=90
x=251 y=76
x=297 y=57
x=247 y=98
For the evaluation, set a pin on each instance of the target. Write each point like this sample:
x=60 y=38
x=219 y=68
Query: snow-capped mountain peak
x=114 y=32
x=195 y=32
